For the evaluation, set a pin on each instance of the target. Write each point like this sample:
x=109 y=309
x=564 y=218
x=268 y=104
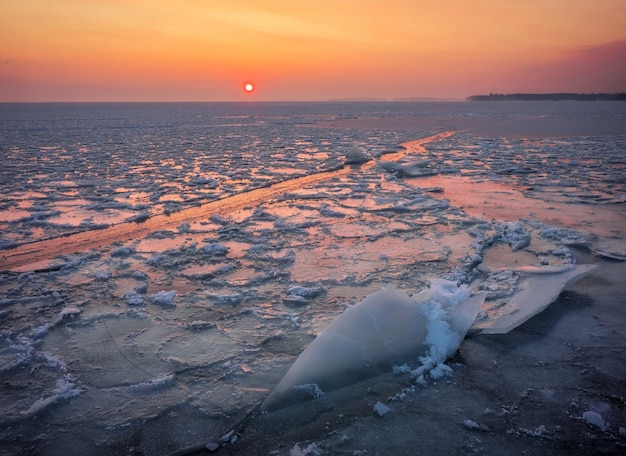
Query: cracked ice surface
x=210 y=312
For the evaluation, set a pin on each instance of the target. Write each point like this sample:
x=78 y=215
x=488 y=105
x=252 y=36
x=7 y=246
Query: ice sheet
x=256 y=238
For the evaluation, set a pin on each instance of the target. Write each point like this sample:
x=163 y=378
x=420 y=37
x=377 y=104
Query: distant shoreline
x=549 y=97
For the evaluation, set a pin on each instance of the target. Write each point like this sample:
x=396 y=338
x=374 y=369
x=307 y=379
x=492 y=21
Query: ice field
x=163 y=265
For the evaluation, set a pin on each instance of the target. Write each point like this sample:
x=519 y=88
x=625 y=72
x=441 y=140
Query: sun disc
x=248 y=87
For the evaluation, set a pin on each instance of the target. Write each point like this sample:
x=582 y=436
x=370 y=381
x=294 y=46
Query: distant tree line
x=549 y=96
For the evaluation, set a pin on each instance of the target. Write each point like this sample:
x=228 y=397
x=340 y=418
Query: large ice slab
x=386 y=328
x=538 y=288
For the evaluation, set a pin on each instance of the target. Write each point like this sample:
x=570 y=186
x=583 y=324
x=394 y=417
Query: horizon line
x=341 y=99
x=327 y=100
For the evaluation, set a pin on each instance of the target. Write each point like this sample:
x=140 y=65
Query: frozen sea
x=163 y=264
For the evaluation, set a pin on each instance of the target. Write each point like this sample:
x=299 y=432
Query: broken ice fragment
x=381 y=409
x=306 y=292
x=122 y=251
x=614 y=254
x=471 y=424
x=355 y=156
x=215 y=248
x=515 y=234
x=595 y=419
x=441 y=370
x=295 y=300
x=537 y=289
x=163 y=298
x=133 y=298
x=141 y=217
x=310 y=388
x=68 y=313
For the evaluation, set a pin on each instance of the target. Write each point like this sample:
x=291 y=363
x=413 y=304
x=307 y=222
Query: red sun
x=248 y=87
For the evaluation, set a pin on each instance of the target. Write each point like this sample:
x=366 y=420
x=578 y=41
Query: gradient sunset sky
x=204 y=50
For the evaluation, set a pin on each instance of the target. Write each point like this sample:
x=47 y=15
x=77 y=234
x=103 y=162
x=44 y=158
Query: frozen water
x=164 y=257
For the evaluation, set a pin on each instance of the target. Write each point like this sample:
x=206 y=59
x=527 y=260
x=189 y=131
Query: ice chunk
x=440 y=371
x=306 y=292
x=200 y=325
x=215 y=248
x=295 y=300
x=102 y=275
x=207 y=182
x=355 y=155
x=471 y=424
x=163 y=298
x=385 y=329
x=595 y=419
x=381 y=409
x=537 y=290
x=41 y=331
x=446 y=327
x=562 y=235
x=141 y=217
x=122 y=252
x=407 y=169
x=6 y=243
x=133 y=298
x=225 y=298
x=68 y=313
x=515 y=234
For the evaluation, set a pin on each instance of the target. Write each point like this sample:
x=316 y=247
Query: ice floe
x=538 y=287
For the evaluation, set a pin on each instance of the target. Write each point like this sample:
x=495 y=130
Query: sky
x=292 y=50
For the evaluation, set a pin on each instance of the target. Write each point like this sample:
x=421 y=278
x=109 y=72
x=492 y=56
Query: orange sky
x=204 y=50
